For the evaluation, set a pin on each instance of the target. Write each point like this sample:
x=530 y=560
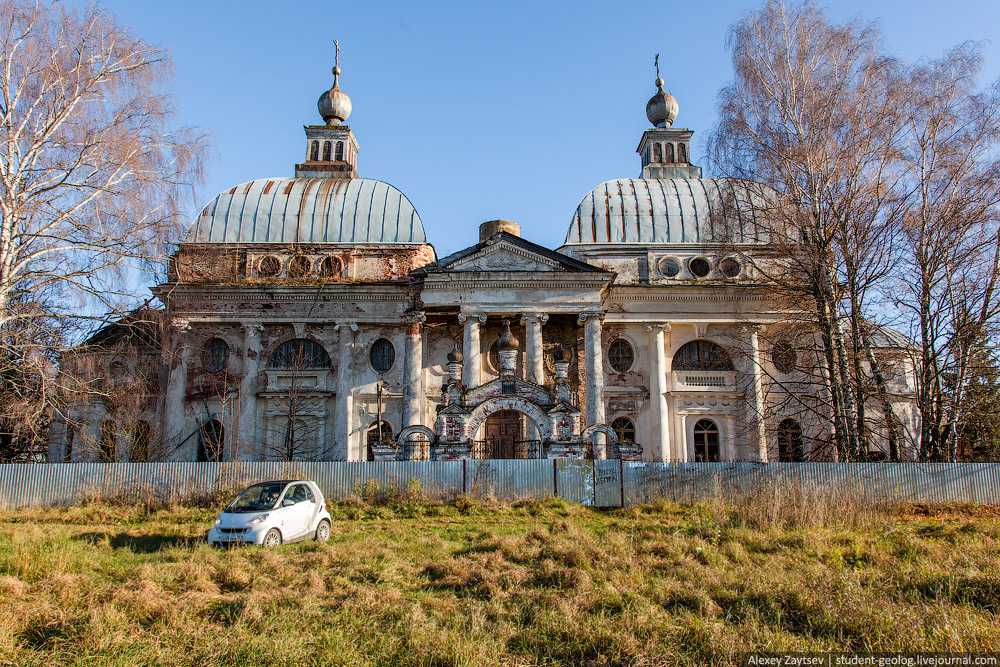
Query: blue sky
x=511 y=110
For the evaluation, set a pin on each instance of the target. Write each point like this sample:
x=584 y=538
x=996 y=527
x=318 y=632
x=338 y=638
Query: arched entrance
x=497 y=426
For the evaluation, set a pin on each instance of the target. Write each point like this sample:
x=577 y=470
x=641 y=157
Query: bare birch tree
x=808 y=125
x=949 y=286
x=91 y=174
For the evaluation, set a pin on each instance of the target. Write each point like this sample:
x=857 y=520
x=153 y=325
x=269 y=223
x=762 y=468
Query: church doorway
x=504 y=437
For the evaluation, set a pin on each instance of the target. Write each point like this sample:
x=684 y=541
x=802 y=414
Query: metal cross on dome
x=656 y=64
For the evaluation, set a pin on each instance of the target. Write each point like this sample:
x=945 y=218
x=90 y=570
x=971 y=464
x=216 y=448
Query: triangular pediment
x=507 y=253
x=504 y=257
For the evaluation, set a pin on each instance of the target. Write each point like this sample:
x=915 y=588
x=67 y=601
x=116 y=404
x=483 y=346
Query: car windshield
x=257 y=498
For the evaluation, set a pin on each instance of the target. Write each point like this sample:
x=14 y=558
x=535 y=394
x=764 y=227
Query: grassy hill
x=470 y=583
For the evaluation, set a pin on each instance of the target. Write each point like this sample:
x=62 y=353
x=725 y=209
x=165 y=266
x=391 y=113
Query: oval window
x=621 y=356
x=699 y=267
x=299 y=266
x=382 y=355
x=730 y=267
x=784 y=356
x=669 y=267
x=214 y=355
x=269 y=267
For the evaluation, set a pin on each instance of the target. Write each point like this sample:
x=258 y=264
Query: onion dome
x=455 y=356
x=661 y=109
x=507 y=340
x=334 y=105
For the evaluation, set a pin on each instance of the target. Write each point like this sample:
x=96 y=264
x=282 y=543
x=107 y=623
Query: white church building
x=309 y=318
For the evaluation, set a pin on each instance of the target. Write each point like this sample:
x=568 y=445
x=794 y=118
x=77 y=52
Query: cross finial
x=336 y=63
x=656 y=64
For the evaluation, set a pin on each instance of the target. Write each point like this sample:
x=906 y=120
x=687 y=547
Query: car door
x=298 y=511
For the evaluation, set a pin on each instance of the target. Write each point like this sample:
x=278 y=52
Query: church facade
x=309 y=318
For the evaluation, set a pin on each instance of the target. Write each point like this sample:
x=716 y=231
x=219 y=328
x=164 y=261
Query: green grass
x=544 y=583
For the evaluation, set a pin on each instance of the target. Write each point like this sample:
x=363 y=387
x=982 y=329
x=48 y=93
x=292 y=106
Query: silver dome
x=662 y=108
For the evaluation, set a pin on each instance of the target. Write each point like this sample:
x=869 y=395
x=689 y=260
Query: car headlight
x=257 y=520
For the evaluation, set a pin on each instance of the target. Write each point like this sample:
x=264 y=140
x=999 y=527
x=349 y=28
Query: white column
x=472 y=363
x=759 y=426
x=532 y=324
x=685 y=455
x=248 y=447
x=594 y=364
x=344 y=408
x=175 y=426
x=413 y=386
x=660 y=447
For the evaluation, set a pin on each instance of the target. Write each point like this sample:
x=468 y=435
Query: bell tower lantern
x=331 y=149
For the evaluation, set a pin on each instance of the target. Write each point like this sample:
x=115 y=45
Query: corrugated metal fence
x=599 y=483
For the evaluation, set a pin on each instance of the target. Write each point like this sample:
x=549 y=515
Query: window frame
x=708 y=429
x=391 y=353
x=619 y=342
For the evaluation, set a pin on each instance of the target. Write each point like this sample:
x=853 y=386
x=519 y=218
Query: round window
x=331 y=267
x=382 y=355
x=214 y=355
x=269 y=267
x=299 y=266
x=699 y=267
x=621 y=356
x=784 y=356
x=730 y=267
x=669 y=267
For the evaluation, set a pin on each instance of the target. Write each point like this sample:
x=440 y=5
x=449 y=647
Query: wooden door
x=503 y=430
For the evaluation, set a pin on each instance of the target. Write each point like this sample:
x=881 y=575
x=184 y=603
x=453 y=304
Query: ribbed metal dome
x=673 y=210
x=309 y=210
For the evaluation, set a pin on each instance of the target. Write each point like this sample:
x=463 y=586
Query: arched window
x=211 y=439
x=299 y=354
x=790 y=445
x=670 y=152
x=624 y=428
x=621 y=356
x=326 y=151
x=314 y=151
x=214 y=355
x=140 y=436
x=340 y=150
x=109 y=436
x=657 y=153
x=682 y=153
x=702 y=355
x=377 y=435
x=382 y=355
x=706 y=440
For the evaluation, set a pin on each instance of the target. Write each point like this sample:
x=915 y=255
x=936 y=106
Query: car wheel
x=323 y=531
x=272 y=538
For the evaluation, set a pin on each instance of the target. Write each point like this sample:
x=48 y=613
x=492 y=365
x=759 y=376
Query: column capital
x=348 y=325
x=751 y=328
x=465 y=315
x=658 y=326
x=252 y=328
x=415 y=318
x=542 y=318
x=590 y=315
x=181 y=323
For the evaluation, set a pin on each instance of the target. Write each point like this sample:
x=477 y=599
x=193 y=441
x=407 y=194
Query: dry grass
x=466 y=583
